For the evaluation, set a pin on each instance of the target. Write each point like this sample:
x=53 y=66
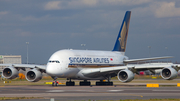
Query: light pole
x=27 y=51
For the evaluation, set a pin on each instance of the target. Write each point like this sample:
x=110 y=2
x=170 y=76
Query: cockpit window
x=53 y=61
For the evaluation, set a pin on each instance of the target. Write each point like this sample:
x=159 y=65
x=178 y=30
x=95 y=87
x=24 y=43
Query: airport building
x=9 y=59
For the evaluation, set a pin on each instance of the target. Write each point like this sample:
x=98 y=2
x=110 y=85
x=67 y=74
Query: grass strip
x=18 y=98
x=137 y=100
x=151 y=100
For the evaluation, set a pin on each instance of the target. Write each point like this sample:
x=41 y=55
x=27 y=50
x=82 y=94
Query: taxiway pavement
x=72 y=93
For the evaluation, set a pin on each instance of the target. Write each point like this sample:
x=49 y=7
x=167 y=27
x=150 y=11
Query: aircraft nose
x=50 y=70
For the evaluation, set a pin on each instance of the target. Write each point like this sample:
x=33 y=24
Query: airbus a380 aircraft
x=93 y=65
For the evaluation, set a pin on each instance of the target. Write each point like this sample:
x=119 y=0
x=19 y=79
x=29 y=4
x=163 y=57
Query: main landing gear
x=85 y=83
x=70 y=83
x=101 y=83
x=108 y=83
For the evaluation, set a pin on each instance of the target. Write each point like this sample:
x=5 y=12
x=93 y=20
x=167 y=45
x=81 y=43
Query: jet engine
x=169 y=73
x=125 y=75
x=33 y=75
x=10 y=72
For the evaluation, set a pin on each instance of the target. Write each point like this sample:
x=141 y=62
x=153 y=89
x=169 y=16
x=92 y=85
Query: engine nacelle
x=169 y=73
x=10 y=72
x=33 y=75
x=125 y=75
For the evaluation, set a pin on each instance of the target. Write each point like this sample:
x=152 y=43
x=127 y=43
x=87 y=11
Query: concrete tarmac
x=74 y=93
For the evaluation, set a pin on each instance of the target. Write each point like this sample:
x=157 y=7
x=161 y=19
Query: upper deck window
x=53 y=61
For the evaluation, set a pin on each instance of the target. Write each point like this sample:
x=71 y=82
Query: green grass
x=19 y=82
x=18 y=98
x=151 y=100
x=138 y=100
x=135 y=100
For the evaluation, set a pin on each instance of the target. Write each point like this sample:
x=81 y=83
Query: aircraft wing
x=133 y=67
x=146 y=59
x=23 y=66
x=102 y=71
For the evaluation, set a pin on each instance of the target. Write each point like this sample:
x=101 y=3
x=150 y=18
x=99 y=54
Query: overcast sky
x=50 y=26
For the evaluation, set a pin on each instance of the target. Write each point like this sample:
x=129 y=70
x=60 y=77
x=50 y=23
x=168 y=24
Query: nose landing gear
x=55 y=82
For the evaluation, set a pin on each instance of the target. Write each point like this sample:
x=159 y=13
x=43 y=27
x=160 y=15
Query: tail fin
x=120 y=44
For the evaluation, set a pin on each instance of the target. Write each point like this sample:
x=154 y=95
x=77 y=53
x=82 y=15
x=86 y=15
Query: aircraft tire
x=104 y=83
x=109 y=84
x=70 y=83
x=56 y=84
x=98 y=83
x=52 y=83
x=84 y=83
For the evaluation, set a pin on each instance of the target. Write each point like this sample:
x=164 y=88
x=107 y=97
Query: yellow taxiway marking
x=152 y=85
x=178 y=84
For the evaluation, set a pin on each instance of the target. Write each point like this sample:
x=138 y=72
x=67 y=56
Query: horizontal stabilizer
x=146 y=59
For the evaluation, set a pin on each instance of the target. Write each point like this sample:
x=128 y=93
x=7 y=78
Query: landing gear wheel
x=55 y=83
x=85 y=83
x=104 y=83
x=71 y=83
x=109 y=83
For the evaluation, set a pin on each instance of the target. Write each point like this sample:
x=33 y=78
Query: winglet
x=120 y=44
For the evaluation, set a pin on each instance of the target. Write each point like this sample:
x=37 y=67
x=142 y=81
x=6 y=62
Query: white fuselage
x=70 y=63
